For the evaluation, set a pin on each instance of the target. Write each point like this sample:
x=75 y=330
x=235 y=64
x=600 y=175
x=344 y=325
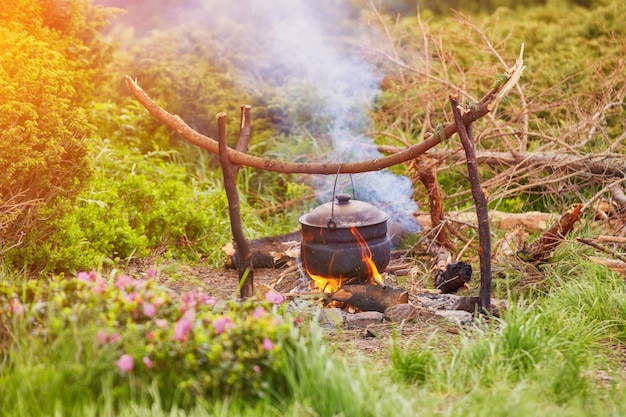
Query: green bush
x=48 y=56
x=189 y=346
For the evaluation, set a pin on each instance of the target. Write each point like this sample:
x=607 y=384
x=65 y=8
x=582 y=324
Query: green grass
x=541 y=358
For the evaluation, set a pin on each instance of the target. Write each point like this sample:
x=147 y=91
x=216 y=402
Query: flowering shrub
x=189 y=343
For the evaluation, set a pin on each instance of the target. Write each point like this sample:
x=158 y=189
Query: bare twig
x=244 y=129
x=602 y=248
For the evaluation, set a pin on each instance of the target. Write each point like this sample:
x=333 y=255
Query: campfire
x=331 y=284
x=343 y=249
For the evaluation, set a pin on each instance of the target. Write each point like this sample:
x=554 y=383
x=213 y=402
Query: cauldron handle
x=331 y=223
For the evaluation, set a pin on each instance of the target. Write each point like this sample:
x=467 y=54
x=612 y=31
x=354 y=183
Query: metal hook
x=332 y=207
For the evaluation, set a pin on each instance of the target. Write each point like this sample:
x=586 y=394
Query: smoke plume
x=298 y=47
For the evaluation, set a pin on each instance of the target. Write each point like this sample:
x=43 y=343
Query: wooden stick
x=174 y=122
x=601 y=248
x=428 y=178
x=244 y=132
x=229 y=173
x=482 y=212
x=612 y=239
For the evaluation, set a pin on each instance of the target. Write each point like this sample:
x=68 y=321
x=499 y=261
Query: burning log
x=369 y=297
x=545 y=244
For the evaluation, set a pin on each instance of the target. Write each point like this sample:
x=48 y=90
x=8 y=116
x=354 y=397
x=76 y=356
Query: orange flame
x=332 y=284
x=329 y=285
x=366 y=254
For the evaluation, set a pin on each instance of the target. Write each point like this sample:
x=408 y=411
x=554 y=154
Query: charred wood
x=369 y=297
x=454 y=277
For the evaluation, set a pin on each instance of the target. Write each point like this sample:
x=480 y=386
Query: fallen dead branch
x=530 y=220
x=546 y=243
x=606 y=165
x=614 y=265
x=612 y=239
x=602 y=248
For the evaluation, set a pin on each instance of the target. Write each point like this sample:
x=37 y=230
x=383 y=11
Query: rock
x=436 y=301
x=334 y=316
x=406 y=311
x=364 y=319
x=471 y=305
x=329 y=318
x=460 y=317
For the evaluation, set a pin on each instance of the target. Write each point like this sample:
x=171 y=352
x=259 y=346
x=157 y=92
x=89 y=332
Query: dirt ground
x=372 y=341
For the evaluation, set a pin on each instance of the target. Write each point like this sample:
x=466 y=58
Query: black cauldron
x=330 y=239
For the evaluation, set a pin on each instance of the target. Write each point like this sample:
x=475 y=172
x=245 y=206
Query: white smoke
x=286 y=44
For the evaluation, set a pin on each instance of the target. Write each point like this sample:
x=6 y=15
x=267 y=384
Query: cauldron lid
x=345 y=214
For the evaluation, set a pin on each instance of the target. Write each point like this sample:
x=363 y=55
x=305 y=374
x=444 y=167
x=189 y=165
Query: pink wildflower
x=151 y=272
x=99 y=286
x=125 y=363
x=122 y=281
x=184 y=326
x=87 y=277
x=102 y=337
x=222 y=324
x=256 y=369
x=160 y=323
x=149 y=310
x=191 y=299
x=148 y=362
x=16 y=307
x=131 y=297
x=268 y=344
x=274 y=297
x=259 y=312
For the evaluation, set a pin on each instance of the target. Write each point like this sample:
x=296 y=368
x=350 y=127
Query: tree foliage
x=48 y=57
